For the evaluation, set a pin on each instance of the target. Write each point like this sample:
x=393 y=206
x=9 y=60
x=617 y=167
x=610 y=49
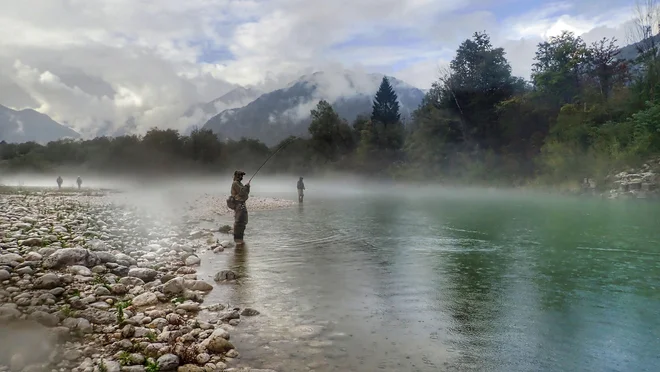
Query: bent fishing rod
x=283 y=145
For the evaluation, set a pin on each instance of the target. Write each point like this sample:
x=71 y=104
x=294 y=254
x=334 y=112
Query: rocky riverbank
x=88 y=284
x=634 y=183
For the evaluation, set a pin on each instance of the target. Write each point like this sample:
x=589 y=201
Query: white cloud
x=87 y=63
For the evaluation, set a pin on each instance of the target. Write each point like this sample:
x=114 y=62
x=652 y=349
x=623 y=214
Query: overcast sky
x=85 y=62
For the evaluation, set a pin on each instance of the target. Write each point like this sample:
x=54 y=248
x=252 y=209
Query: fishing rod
x=283 y=145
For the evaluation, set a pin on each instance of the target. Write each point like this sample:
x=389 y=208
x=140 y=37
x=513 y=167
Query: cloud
x=90 y=63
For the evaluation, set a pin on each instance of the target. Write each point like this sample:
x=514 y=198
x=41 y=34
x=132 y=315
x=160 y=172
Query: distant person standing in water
x=79 y=182
x=240 y=193
x=301 y=187
x=59 y=182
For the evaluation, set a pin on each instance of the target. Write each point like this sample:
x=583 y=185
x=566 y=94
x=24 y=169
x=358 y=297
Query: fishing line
x=283 y=145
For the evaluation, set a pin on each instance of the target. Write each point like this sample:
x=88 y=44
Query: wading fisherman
x=240 y=193
x=301 y=187
x=79 y=182
x=59 y=182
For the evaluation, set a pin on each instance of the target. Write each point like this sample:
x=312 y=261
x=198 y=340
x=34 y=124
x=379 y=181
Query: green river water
x=440 y=281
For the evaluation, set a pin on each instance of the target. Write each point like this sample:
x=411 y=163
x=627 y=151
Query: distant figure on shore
x=59 y=182
x=240 y=193
x=301 y=187
x=79 y=182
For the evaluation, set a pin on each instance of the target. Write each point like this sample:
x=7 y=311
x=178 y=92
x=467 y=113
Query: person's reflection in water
x=238 y=263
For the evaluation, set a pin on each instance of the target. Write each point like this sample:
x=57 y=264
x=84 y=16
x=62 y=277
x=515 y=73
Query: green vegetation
x=151 y=366
x=125 y=358
x=120 y=306
x=584 y=113
x=67 y=311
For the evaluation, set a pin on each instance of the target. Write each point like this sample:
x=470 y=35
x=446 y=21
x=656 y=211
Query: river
x=433 y=281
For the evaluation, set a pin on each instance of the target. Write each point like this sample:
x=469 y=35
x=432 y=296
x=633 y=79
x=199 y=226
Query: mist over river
x=366 y=277
x=410 y=279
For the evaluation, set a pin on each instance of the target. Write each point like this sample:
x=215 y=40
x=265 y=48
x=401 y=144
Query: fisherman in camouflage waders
x=240 y=193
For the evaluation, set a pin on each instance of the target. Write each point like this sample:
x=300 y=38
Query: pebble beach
x=90 y=281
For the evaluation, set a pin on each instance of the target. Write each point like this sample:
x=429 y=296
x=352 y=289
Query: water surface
x=481 y=281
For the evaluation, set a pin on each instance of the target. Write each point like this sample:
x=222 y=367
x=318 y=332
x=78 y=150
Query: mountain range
x=29 y=125
x=237 y=97
x=276 y=115
x=241 y=112
x=247 y=111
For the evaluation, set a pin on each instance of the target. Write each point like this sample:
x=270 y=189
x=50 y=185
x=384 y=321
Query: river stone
x=110 y=366
x=145 y=299
x=131 y=281
x=229 y=315
x=18 y=362
x=225 y=275
x=96 y=316
x=118 y=289
x=217 y=342
x=133 y=369
x=306 y=331
x=191 y=368
x=174 y=319
x=168 y=362
x=202 y=358
x=4 y=275
x=78 y=324
x=71 y=256
x=33 y=257
x=174 y=286
x=72 y=354
x=101 y=291
x=10 y=257
x=46 y=251
x=47 y=281
x=186 y=270
x=198 y=285
x=145 y=274
x=105 y=257
x=192 y=260
x=31 y=242
x=80 y=270
x=249 y=312
x=9 y=312
x=43 y=318
x=188 y=306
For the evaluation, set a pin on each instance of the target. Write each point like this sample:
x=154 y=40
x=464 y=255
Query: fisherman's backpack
x=231 y=203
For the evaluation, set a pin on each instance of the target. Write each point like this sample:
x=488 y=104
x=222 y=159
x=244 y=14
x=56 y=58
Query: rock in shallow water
x=225 y=275
x=217 y=343
x=249 y=312
x=192 y=260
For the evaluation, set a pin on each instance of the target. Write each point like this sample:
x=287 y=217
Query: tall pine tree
x=386 y=105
